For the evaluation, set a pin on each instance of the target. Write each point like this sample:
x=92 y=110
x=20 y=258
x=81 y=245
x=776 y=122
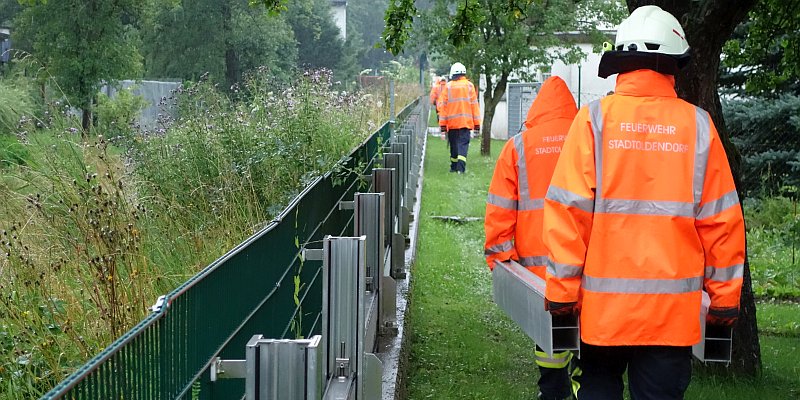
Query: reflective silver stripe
x=725 y=274
x=499 y=248
x=719 y=205
x=454 y=116
x=596 y=116
x=502 y=202
x=533 y=261
x=531 y=204
x=522 y=178
x=642 y=286
x=526 y=203
x=644 y=207
x=570 y=199
x=458 y=99
x=701 y=149
x=563 y=270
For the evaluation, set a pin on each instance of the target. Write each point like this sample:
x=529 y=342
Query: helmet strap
x=617 y=62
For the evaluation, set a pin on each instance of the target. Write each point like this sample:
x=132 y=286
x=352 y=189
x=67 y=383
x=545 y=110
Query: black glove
x=560 y=309
x=722 y=316
x=477 y=128
x=443 y=129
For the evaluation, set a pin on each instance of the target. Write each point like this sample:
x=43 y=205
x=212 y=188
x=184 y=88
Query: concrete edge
x=393 y=351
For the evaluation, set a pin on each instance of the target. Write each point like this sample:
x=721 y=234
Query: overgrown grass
x=773 y=239
x=92 y=232
x=462 y=346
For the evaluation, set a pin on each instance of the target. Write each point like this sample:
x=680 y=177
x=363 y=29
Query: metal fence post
x=342 y=311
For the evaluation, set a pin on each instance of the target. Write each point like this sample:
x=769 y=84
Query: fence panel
x=262 y=286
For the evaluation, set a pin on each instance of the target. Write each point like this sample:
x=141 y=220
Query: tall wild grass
x=93 y=228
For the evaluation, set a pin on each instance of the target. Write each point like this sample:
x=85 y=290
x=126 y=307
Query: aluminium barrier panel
x=520 y=293
x=717 y=343
x=260 y=286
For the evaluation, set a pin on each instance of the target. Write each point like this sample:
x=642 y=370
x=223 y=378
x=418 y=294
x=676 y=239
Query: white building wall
x=339 y=10
x=582 y=78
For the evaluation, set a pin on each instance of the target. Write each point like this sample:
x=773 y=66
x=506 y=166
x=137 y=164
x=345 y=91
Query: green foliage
x=767 y=133
x=364 y=28
x=399 y=18
x=180 y=41
x=403 y=70
x=15 y=102
x=12 y=152
x=773 y=239
x=254 y=155
x=115 y=115
x=764 y=54
x=82 y=44
x=318 y=40
x=273 y=6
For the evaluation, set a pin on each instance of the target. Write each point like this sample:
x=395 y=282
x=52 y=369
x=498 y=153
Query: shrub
x=116 y=114
x=767 y=132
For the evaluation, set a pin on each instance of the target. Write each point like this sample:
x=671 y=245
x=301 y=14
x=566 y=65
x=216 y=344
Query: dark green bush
x=767 y=132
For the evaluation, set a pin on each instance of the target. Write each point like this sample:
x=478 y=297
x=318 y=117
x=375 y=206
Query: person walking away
x=436 y=89
x=459 y=113
x=640 y=217
x=513 y=221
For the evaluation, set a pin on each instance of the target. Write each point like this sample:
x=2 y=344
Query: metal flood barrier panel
x=520 y=293
x=262 y=285
x=520 y=97
x=717 y=343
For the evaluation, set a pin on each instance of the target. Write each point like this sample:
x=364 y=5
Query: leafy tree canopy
x=763 y=57
x=83 y=43
x=190 y=38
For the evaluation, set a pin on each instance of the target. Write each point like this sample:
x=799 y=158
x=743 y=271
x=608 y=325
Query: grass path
x=462 y=346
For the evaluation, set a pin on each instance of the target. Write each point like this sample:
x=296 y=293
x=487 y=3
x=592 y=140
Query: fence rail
x=262 y=286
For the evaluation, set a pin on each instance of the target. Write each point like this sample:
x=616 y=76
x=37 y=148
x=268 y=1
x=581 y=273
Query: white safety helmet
x=652 y=30
x=458 y=69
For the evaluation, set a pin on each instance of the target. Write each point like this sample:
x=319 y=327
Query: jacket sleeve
x=441 y=106
x=433 y=95
x=720 y=226
x=476 y=107
x=569 y=212
x=501 y=208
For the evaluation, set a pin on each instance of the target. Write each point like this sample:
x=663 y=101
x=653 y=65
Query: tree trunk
x=708 y=25
x=491 y=97
x=86 y=120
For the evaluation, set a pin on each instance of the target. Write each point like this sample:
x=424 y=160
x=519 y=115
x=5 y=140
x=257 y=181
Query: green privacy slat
x=247 y=291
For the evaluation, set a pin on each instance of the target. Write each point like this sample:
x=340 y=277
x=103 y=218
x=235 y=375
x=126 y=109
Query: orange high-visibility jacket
x=458 y=105
x=436 y=89
x=513 y=222
x=641 y=215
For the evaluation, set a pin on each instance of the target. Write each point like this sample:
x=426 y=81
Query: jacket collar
x=645 y=82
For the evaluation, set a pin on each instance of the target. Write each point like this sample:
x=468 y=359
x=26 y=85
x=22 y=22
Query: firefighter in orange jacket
x=640 y=217
x=436 y=89
x=513 y=220
x=459 y=114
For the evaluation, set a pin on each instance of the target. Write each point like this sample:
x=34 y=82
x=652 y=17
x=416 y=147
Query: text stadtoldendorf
x=637 y=127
